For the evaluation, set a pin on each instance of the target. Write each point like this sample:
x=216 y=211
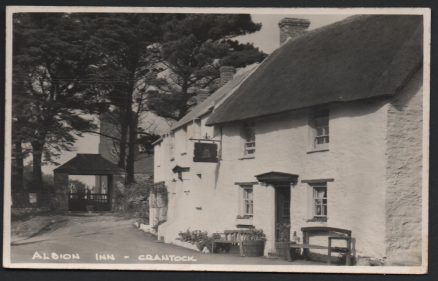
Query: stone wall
x=404 y=179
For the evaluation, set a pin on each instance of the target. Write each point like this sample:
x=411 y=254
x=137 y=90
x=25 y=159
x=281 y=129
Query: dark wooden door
x=282 y=213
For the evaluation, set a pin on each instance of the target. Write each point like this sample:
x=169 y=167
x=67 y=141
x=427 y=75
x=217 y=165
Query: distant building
x=109 y=148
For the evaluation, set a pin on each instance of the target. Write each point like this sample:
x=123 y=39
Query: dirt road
x=112 y=239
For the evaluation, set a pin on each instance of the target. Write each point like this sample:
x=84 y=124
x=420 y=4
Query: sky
x=267 y=40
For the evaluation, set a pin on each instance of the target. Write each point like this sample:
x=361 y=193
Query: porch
x=86 y=183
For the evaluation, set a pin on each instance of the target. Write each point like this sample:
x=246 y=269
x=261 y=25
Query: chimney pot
x=292 y=28
x=226 y=74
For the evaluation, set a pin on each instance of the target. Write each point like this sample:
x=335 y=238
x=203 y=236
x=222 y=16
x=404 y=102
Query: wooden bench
x=231 y=237
x=333 y=234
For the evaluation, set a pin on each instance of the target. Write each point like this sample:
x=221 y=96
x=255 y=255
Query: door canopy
x=277 y=177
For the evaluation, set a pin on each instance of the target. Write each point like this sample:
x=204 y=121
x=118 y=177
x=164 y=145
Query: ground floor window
x=247 y=202
x=320 y=200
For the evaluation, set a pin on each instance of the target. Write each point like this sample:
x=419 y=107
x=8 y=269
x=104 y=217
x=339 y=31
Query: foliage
x=127 y=73
x=146 y=140
x=194 y=47
x=28 y=183
x=133 y=199
x=20 y=196
x=283 y=230
x=68 y=68
x=197 y=237
x=201 y=238
x=80 y=186
x=52 y=65
x=255 y=234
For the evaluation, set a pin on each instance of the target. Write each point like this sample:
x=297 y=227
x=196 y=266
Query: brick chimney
x=292 y=28
x=201 y=95
x=226 y=74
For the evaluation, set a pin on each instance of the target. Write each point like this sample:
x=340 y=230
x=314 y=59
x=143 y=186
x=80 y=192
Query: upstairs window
x=321 y=136
x=249 y=142
x=320 y=200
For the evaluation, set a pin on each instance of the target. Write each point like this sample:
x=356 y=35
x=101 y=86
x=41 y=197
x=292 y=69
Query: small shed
x=107 y=175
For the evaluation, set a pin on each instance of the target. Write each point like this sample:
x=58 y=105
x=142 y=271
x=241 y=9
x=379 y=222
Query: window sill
x=317 y=150
x=246 y=157
x=317 y=219
x=244 y=220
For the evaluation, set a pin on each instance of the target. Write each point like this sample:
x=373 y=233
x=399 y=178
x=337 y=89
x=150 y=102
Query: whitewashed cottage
x=326 y=131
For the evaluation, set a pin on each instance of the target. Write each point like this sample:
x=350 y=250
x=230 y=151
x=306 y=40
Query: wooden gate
x=88 y=202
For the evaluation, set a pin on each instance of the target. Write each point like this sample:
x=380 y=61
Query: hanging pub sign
x=205 y=152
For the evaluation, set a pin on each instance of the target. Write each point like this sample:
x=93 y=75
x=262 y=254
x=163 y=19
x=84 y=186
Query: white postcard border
x=426 y=12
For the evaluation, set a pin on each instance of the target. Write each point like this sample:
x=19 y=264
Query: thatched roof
x=214 y=99
x=357 y=58
x=88 y=164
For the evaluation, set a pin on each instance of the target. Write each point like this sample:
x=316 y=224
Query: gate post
x=60 y=198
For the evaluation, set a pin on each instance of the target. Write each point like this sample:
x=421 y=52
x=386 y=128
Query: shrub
x=196 y=237
x=255 y=234
x=133 y=200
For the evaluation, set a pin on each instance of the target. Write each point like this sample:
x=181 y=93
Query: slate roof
x=358 y=58
x=217 y=97
x=88 y=164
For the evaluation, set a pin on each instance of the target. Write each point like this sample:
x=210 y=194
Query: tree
x=21 y=132
x=194 y=47
x=140 y=47
x=127 y=73
x=53 y=58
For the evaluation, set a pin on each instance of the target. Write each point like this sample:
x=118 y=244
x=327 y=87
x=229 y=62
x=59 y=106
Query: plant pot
x=253 y=248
